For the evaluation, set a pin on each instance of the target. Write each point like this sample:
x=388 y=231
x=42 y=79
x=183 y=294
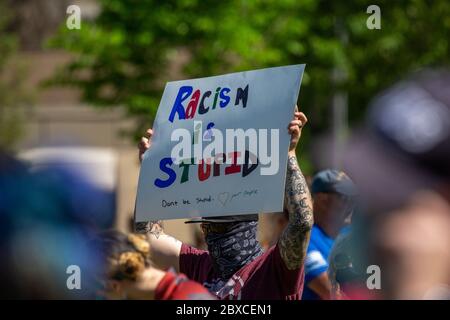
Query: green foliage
x=12 y=93
x=125 y=56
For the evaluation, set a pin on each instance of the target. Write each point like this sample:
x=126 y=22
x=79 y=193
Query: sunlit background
x=82 y=98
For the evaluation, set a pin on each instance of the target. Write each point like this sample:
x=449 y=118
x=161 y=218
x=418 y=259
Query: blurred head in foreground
x=126 y=270
x=400 y=162
x=46 y=217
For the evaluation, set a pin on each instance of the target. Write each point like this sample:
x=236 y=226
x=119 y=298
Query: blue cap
x=333 y=181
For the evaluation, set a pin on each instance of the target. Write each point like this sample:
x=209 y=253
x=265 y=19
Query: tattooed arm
x=295 y=238
x=165 y=250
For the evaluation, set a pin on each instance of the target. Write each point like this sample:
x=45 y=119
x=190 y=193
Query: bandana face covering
x=233 y=249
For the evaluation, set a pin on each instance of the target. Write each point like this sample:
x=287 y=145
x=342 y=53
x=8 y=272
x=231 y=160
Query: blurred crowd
x=381 y=222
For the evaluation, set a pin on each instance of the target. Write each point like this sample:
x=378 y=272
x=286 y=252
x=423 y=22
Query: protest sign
x=219 y=146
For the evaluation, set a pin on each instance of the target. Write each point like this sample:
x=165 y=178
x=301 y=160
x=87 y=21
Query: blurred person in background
x=127 y=271
x=348 y=282
x=235 y=266
x=333 y=195
x=400 y=162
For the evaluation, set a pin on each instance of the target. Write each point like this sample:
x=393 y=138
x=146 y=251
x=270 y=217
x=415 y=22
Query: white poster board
x=219 y=146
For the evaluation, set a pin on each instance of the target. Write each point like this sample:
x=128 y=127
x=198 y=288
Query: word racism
x=204 y=102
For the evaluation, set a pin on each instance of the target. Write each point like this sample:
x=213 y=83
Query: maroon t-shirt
x=266 y=278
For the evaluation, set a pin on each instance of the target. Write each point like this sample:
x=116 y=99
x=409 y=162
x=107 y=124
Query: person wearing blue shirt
x=333 y=193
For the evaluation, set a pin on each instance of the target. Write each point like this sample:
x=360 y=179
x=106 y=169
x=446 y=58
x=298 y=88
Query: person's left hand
x=295 y=129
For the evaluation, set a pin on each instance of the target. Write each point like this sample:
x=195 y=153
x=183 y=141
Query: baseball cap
x=225 y=219
x=333 y=181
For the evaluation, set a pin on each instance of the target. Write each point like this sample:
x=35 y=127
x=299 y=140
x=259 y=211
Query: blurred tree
x=33 y=21
x=12 y=92
x=126 y=55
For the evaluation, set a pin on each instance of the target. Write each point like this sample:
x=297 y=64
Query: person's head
x=399 y=160
x=124 y=260
x=43 y=231
x=333 y=193
x=410 y=245
x=231 y=241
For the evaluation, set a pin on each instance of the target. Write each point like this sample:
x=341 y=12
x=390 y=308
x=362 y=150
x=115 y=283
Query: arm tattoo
x=295 y=238
x=152 y=228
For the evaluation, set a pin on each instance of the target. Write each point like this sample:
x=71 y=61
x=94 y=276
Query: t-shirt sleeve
x=291 y=280
x=315 y=263
x=194 y=263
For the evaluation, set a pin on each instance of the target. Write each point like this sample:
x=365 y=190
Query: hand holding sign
x=295 y=129
x=144 y=144
x=220 y=136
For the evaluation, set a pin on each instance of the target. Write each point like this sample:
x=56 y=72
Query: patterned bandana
x=233 y=249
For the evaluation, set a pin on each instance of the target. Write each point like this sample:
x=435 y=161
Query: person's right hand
x=145 y=143
x=295 y=129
